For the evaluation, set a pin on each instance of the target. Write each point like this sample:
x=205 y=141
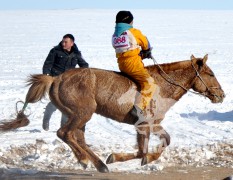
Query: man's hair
x=69 y=36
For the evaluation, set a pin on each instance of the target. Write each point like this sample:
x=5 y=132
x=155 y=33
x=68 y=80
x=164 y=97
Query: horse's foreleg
x=121 y=157
x=143 y=135
x=165 y=141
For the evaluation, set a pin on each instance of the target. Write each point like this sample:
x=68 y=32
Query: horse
x=78 y=93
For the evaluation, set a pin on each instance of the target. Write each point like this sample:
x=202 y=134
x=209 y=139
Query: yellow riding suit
x=128 y=46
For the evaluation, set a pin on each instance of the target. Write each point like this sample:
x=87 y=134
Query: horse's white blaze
x=128 y=96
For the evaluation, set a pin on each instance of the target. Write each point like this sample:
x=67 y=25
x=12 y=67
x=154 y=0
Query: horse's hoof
x=84 y=164
x=144 y=161
x=110 y=159
x=103 y=169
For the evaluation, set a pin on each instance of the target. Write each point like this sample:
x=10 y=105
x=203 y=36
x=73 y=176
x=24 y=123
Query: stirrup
x=135 y=110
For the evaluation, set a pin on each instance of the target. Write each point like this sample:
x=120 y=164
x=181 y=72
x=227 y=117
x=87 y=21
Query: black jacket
x=58 y=60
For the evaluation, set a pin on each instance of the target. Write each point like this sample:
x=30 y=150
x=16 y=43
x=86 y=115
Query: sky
x=116 y=4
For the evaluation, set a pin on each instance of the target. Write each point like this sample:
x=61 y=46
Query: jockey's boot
x=137 y=113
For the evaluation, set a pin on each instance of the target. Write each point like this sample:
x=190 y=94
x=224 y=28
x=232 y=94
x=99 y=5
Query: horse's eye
x=212 y=75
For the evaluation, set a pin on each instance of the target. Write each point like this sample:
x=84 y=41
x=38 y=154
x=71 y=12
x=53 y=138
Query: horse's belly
x=116 y=105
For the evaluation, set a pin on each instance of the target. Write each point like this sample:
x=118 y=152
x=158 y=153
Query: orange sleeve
x=140 y=38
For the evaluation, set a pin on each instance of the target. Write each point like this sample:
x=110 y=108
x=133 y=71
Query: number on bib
x=121 y=43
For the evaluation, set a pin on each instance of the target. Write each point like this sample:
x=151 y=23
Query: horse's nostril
x=223 y=95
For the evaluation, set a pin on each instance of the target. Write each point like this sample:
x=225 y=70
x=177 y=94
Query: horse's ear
x=192 y=57
x=205 y=58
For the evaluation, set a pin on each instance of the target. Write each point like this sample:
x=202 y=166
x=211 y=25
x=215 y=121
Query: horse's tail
x=39 y=85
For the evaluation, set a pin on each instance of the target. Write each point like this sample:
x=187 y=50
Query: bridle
x=208 y=88
x=171 y=81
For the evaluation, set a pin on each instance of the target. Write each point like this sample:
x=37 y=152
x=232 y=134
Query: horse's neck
x=181 y=73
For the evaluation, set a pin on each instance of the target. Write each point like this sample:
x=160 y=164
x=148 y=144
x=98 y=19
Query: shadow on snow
x=211 y=115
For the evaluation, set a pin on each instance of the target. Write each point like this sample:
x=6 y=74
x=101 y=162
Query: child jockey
x=131 y=46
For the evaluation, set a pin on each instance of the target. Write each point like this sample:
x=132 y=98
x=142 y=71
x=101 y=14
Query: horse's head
x=205 y=81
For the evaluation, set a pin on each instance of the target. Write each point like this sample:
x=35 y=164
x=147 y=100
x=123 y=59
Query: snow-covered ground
x=201 y=132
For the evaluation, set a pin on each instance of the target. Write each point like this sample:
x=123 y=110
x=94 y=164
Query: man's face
x=67 y=44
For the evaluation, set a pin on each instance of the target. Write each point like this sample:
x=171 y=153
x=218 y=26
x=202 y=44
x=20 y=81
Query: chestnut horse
x=78 y=93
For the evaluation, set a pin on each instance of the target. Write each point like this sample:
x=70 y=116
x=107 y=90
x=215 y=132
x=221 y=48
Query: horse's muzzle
x=218 y=98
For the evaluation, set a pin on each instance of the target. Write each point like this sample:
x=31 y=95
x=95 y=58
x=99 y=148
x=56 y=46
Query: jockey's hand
x=146 y=53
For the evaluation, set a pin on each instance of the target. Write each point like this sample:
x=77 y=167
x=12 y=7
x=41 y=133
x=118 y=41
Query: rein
x=171 y=81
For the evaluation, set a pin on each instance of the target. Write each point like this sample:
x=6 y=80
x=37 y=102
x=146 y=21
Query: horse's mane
x=169 y=67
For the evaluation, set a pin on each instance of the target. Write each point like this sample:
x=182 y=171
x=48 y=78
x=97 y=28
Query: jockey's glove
x=146 y=53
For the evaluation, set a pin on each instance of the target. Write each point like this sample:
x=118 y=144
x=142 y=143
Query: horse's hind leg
x=100 y=166
x=73 y=134
x=165 y=141
x=65 y=134
x=143 y=134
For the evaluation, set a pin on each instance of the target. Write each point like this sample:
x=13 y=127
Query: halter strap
x=171 y=81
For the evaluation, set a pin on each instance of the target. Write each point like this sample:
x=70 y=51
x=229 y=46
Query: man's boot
x=50 y=108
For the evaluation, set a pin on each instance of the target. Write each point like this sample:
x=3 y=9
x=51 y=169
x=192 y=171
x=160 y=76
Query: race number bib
x=121 y=43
